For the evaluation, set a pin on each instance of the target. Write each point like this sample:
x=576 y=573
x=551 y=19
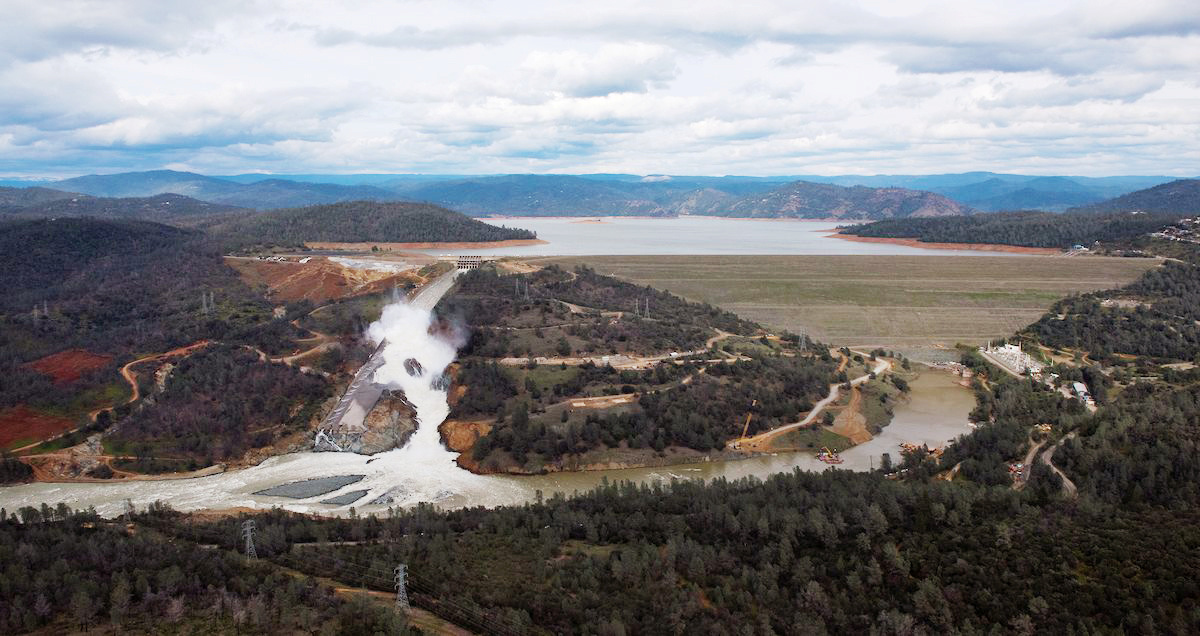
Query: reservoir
x=623 y=236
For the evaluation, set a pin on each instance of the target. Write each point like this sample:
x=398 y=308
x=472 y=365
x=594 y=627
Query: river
x=622 y=236
x=425 y=471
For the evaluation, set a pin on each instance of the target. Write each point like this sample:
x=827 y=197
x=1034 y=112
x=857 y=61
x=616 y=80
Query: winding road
x=1048 y=458
x=760 y=440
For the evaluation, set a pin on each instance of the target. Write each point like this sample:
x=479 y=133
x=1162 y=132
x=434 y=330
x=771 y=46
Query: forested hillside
x=805 y=200
x=555 y=312
x=101 y=293
x=679 y=399
x=215 y=405
x=1177 y=197
x=1026 y=229
x=359 y=222
x=1156 y=316
x=70 y=572
x=1121 y=219
x=14 y=198
x=171 y=209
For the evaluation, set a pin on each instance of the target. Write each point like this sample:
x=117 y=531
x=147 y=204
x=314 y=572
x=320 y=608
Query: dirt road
x=1048 y=458
x=762 y=440
x=1022 y=476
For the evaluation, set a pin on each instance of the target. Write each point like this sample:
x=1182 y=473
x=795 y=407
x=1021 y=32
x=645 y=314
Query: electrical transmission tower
x=129 y=510
x=401 y=580
x=248 y=535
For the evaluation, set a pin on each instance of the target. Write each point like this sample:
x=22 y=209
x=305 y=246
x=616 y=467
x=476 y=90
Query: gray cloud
x=766 y=88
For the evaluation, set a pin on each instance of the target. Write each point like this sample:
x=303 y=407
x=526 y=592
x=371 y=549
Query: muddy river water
x=425 y=471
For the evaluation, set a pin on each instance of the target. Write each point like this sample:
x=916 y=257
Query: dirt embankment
x=982 y=247
x=318 y=280
x=851 y=423
x=460 y=435
x=366 y=247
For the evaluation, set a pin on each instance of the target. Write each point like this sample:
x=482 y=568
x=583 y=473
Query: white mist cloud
x=413 y=333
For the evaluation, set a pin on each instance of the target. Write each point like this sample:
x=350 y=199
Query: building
x=1081 y=390
x=1011 y=356
x=469 y=262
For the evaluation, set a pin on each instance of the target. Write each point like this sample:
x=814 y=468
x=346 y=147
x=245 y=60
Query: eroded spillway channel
x=423 y=470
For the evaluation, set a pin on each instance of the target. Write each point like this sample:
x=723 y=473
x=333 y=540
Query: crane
x=749 y=414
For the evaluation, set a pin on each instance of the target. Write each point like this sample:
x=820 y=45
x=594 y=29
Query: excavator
x=829 y=457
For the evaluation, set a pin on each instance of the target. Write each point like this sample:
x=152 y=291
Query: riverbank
x=979 y=247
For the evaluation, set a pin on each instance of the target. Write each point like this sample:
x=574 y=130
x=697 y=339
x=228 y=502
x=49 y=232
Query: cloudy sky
x=794 y=87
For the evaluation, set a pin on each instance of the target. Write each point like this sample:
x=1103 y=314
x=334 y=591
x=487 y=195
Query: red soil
x=67 y=366
x=22 y=422
x=982 y=247
x=366 y=247
x=319 y=280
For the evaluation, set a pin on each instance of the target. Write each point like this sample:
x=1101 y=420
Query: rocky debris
x=389 y=424
x=414 y=368
x=161 y=375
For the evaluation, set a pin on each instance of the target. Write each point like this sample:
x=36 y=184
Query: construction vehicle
x=829 y=457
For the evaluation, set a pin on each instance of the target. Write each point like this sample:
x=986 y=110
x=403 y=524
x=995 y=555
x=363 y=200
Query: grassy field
x=902 y=302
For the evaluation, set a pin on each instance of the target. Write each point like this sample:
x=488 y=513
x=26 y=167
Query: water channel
x=425 y=471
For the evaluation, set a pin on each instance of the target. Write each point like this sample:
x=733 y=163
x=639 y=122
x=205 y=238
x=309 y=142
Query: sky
x=1089 y=88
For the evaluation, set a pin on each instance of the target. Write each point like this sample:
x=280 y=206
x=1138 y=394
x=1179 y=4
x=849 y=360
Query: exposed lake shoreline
x=366 y=247
x=982 y=247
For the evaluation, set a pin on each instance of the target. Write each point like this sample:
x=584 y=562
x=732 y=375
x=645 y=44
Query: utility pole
x=248 y=535
x=401 y=580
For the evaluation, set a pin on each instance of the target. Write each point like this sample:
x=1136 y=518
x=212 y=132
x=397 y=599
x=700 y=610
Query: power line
x=248 y=535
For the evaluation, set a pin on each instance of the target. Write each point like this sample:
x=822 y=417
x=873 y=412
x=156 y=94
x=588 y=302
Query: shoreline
x=605 y=218
x=979 y=247
x=461 y=245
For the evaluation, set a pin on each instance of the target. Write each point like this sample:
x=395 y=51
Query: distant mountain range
x=805 y=196
x=172 y=209
x=805 y=200
x=266 y=193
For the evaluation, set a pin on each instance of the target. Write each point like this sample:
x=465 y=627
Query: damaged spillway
x=374 y=414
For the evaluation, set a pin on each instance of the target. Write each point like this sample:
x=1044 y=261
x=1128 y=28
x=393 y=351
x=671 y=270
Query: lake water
x=686 y=235
x=425 y=471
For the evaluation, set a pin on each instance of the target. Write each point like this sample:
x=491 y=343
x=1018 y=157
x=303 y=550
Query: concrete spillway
x=347 y=417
